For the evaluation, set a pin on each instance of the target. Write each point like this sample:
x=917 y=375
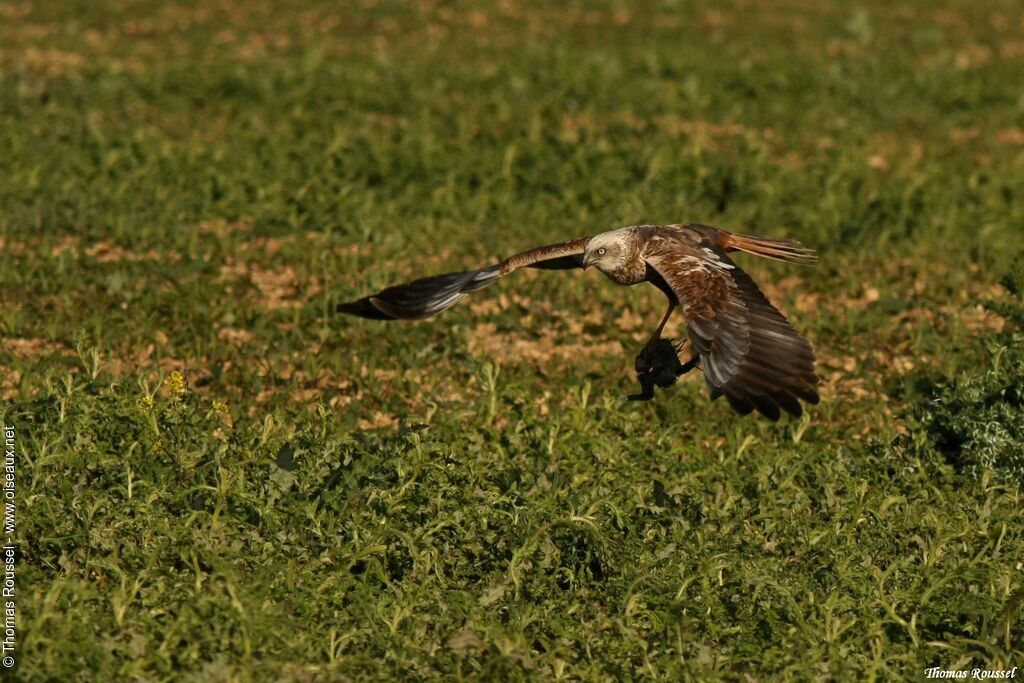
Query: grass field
x=218 y=479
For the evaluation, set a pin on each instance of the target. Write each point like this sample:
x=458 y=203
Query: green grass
x=190 y=188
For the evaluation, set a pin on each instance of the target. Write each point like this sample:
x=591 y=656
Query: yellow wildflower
x=176 y=383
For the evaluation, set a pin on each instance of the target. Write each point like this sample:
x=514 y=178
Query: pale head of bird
x=609 y=252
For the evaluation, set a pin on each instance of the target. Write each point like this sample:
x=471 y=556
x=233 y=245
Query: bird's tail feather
x=421 y=298
x=790 y=251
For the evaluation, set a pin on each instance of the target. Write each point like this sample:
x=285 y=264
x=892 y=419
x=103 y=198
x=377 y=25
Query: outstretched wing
x=430 y=295
x=749 y=352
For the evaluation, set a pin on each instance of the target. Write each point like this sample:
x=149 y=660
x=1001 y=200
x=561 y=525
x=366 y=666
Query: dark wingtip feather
x=806 y=390
x=421 y=298
x=740 y=405
x=362 y=308
x=788 y=403
x=766 y=406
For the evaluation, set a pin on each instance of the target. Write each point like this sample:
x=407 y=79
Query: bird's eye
x=601 y=251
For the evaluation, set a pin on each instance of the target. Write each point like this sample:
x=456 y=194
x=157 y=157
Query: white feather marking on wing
x=695 y=264
x=486 y=273
x=717 y=262
x=446 y=302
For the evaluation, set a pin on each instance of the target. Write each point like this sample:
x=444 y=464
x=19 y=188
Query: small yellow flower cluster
x=145 y=403
x=176 y=383
x=220 y=408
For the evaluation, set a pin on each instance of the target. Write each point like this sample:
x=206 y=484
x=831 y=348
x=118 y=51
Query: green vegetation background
x=220 y=480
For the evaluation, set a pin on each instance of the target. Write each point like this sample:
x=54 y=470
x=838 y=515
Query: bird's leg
x=657 y=333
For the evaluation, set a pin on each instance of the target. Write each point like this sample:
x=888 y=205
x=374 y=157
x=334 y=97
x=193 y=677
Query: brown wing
x=749 y=352
x=430 y=295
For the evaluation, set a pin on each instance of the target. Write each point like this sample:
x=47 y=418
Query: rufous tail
x=790 y=251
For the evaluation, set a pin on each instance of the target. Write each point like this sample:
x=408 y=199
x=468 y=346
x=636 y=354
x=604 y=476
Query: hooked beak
x=586 y=261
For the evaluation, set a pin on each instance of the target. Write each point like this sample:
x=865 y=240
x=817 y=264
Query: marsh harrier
x=747 y=349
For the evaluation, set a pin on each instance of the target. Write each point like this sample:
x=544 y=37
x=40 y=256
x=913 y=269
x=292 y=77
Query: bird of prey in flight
x=747 y=349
